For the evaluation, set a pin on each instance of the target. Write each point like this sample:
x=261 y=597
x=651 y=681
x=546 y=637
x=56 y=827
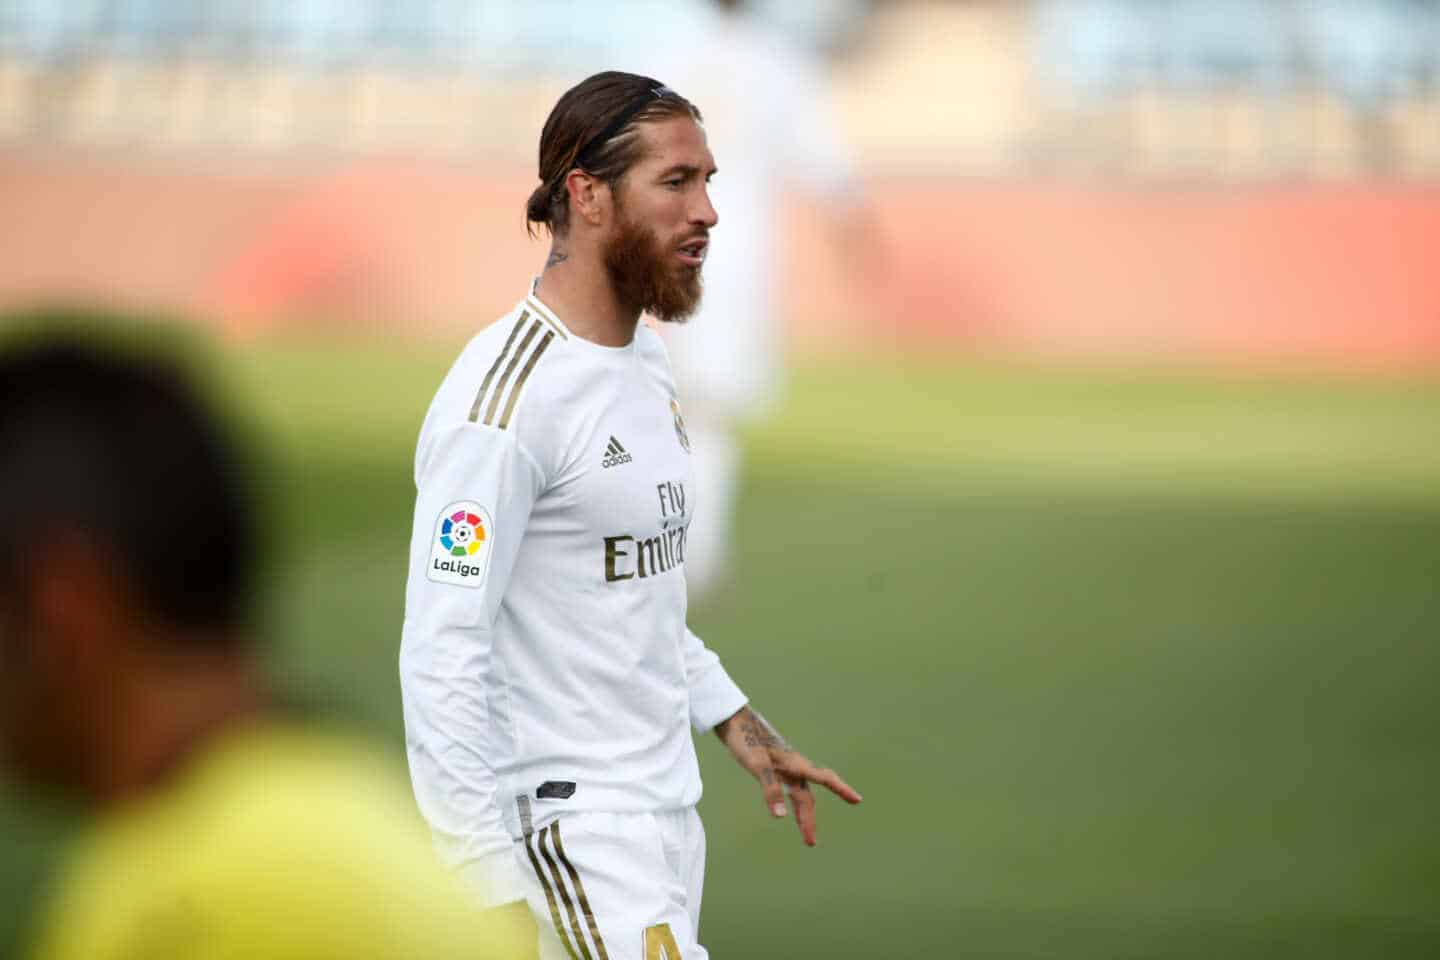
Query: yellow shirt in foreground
x=276 y=844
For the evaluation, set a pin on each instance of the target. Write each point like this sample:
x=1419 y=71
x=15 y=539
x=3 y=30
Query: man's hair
x=595 y=126
x=112 y=444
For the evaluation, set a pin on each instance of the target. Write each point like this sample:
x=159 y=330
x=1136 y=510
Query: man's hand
x=780 y=768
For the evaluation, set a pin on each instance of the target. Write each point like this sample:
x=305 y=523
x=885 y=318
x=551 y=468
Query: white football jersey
x=771 y=126
x=545 y=652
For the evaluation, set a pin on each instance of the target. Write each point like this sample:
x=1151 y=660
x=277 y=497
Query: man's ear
x=80 y=601
x=81 y=623
x=589 y=196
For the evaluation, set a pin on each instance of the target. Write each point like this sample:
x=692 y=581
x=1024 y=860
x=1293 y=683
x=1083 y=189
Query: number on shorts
x=660 y=943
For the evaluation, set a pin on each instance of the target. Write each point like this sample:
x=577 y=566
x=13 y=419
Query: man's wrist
x=714 y=697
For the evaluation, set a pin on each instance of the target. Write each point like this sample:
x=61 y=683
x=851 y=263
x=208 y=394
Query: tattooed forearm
x=753 y=730
x=758 y=733
x=556 y=256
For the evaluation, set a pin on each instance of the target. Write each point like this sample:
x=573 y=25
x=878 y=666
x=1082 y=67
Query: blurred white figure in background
x=770 y=125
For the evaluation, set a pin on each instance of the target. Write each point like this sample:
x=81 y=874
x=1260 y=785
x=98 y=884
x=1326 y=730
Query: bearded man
x=547 y=670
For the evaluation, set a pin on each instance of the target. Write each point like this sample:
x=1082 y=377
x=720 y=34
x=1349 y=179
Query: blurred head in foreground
x=127 y=556
x=127 y=549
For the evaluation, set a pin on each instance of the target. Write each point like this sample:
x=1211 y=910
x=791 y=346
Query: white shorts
x=615 y=886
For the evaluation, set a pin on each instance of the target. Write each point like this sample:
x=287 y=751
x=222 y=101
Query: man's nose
x=704 y=212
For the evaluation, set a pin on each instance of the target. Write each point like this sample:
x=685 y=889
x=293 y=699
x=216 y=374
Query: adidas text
x=615 y=455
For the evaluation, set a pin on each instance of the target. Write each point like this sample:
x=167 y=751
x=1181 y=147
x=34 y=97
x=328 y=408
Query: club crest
x=680 y=433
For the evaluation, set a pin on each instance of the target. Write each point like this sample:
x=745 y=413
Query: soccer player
x=767 y=114
x=547 y=670
x=225 y=830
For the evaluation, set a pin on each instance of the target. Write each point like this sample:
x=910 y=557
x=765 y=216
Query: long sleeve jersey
x=545 y=652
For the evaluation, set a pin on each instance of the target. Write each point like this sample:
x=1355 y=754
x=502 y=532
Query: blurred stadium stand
x=1248 y=88
x=351 y=158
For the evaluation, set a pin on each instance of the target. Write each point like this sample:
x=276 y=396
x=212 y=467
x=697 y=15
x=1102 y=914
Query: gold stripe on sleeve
x=520 y=380
x=554 y=329
x=509 y=369
x=485 y=384
x=547 y=316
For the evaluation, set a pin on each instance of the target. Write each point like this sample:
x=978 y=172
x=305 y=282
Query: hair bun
x=537 y=208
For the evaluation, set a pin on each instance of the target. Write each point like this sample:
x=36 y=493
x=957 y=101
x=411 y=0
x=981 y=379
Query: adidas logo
x=615 y=454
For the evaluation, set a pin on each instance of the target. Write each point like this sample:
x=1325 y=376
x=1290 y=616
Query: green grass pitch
x=1126 y=664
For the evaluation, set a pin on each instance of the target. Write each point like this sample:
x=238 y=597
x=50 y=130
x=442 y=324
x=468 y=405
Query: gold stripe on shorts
x=549 y=898
x=564 y=894
x=485 y=384
x=579 y=891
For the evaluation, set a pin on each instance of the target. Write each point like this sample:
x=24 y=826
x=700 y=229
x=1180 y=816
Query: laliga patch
x=460 y=551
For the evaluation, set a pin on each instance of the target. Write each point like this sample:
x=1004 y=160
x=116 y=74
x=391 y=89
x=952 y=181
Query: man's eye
x=673 y=183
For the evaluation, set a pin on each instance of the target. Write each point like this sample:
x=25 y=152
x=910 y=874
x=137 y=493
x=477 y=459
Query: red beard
x=644 y=274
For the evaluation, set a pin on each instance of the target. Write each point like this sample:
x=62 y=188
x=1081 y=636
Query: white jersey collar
x=533 y=301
